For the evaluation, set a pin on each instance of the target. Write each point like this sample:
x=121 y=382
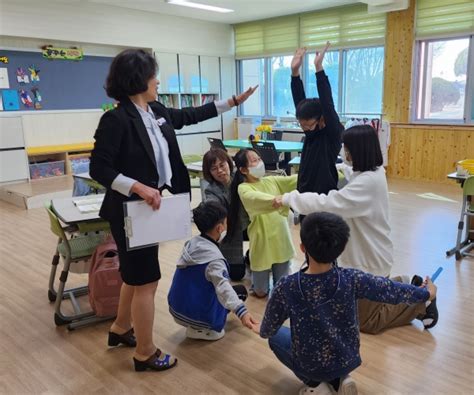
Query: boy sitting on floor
x=201 y=294
x=322 y=346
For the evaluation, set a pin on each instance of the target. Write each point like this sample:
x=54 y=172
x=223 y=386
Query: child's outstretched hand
x=277 y=201
x=432 y=289
x=318 y=59
x=297 y=61
x=250 y=322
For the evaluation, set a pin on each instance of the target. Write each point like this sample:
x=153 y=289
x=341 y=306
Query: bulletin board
x=58 y=84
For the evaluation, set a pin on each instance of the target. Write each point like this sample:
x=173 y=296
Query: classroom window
x=280 y=87
x=442 y=81
x=252 y=72
x=363 y=81
x=355 y=75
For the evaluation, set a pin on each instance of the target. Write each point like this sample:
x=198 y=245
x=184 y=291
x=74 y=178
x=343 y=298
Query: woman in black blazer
x=136 y=155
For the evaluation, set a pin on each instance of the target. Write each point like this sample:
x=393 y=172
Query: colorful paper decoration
x=21 y=76
x=4 y=59
x=25 y=98
x=63 y=53
x=36 y=99
x=10 y=100
x=34 y=73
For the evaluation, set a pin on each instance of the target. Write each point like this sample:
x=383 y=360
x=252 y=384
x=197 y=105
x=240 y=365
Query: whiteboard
x=145 y=227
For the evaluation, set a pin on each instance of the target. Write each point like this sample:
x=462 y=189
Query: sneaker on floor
x=347 y=386
x=321 y=389
x=430 y=319
x=204 y=334
x=416 y=280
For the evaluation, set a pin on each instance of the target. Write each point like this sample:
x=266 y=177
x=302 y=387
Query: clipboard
x=145 y=227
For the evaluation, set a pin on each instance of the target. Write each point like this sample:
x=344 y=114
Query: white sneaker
x=204 y=334
x=321 y=389
x=347 y=386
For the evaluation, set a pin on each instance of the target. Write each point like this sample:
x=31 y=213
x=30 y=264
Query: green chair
x=72 y=248
x=191 y=158
x=467 y=212
x=196 y=176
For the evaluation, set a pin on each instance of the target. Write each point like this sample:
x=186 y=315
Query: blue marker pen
x=436 y=274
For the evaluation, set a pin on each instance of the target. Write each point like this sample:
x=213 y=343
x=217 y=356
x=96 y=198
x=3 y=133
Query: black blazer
x=122 y=146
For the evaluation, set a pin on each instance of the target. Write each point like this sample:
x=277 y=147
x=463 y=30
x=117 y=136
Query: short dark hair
x=129 y=73
x=208 y=214
x=309 y=109
x=363 y=144
x=210 y=157
x=324 y=236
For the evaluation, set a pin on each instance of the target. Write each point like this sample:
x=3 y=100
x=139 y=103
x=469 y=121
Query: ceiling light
x=206 y=7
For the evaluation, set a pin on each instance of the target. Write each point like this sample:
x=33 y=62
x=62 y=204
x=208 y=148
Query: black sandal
x=155 y=362
x=127 y=339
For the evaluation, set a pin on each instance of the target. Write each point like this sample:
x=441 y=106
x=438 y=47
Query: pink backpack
x=104 y=279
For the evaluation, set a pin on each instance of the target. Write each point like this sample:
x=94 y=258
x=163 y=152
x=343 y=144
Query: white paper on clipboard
x=145 y=227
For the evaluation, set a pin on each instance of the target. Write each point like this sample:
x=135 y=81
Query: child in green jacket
x=271 y=247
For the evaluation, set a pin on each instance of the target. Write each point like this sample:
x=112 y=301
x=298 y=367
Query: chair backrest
x=468 y=186
x=54 y=223
x=216 y=143
x=267 y=152
x=277 y=135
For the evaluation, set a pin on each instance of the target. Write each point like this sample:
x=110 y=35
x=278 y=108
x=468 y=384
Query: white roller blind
x=266 y=37
x=343 y=27
x=441 y=18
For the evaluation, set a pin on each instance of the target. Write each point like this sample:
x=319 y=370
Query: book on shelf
x=186 y=100
x=208 y=98
x=166 y=100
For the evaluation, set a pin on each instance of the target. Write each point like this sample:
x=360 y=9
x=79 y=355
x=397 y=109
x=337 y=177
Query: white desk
x=195 y=168
x=83 y=176
x=457 y=177
x=67 y=211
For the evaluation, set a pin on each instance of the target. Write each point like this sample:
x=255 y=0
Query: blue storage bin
x=46 y=169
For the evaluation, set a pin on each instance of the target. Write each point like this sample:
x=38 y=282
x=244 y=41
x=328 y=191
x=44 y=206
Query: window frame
x=241 y=88
x=419 y=76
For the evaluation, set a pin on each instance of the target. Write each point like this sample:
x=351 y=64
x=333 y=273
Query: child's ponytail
x=233 y=218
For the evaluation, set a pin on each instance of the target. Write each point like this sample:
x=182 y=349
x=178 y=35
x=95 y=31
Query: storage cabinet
x=168 y=76
x=13 y=160
x=210 y=75
x=189 y=78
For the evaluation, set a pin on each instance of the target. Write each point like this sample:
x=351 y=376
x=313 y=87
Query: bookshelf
x=169 y=99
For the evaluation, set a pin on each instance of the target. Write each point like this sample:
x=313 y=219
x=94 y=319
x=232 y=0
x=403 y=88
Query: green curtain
x=443 y=18
x=344 y=26
x=266 y=37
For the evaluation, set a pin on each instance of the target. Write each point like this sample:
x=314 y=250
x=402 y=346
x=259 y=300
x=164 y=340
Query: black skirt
x=137 y=267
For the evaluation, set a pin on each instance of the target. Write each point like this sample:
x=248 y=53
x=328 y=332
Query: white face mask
x=257 y=171
x=222 y=236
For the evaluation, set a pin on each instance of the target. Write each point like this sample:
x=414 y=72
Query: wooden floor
x=37 y=357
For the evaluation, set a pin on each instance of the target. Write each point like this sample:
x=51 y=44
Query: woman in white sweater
x=363 y=203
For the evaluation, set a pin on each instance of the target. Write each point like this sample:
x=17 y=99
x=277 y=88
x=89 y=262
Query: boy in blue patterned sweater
x=322 y=346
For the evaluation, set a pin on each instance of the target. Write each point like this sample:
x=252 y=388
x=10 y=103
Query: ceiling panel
x=244 y=10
